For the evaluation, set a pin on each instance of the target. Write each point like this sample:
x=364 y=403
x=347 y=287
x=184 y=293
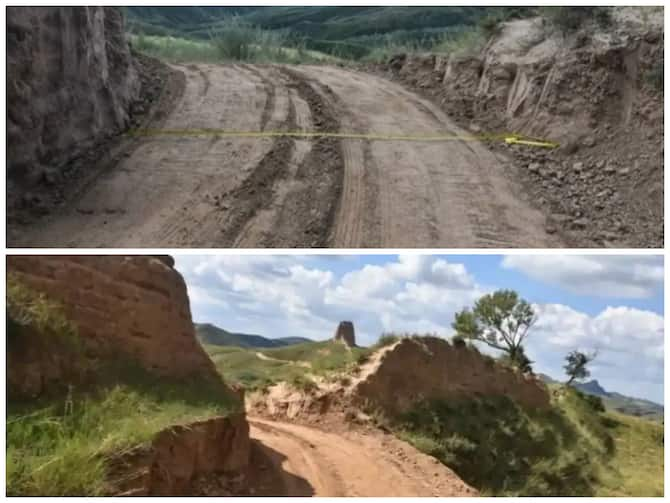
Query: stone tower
x=345 y=333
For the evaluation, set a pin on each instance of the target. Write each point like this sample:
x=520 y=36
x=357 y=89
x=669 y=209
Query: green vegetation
x=59 y=444
x=28 y=308
x=224 y=48
x=636 y=468
x=210 y=334
x=292 y=364
x=575 y=366
x=570 y=449
x=386 y=340
x=502 y=321
x=312 y=34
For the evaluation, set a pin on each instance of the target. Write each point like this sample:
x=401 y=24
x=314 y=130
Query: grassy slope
x=291 y=363
x=58 y=445
x=636 y=469
x=571 y=449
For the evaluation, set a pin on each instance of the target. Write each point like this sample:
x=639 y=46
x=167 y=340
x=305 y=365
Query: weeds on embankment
x=59 y=444
x=571 y=449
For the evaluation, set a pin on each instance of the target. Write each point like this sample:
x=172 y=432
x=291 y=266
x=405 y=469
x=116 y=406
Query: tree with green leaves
x=501 y=320
x=576 y=364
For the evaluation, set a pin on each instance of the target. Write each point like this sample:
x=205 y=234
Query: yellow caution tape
x=221 y=133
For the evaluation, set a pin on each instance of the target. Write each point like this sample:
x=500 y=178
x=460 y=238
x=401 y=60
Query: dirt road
x=211 y=191
x=295 y=460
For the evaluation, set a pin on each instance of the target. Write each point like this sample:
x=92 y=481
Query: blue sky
x=610 y=303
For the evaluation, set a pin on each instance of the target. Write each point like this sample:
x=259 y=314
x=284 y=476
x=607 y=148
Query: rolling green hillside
x=212 y=335
x=295 y=364
x=614 y=401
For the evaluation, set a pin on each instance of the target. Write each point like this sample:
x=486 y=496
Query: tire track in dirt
x=348 y=463
x=307 y=216
x=270 y=95
x=298 y=192
x=257 y=190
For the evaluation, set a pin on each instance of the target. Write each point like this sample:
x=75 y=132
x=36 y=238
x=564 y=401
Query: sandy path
x=303 y=461
x=283 y=192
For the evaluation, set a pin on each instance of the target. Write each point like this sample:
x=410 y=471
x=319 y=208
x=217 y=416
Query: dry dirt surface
x=213 y=191
x=297 y=460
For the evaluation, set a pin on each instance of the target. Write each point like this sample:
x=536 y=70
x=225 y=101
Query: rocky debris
x=185 y=458
x=134 y=305
x=345 y=334
x=431 y=368
x=70 y=83
x=592 y=92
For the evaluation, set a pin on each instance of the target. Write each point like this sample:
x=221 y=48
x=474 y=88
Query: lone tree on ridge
x=576 y=364
x=501 y=320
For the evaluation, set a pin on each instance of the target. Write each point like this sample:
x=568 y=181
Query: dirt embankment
x=430 y=368
x=594 y=91
x=135 y=306
x=71 y=82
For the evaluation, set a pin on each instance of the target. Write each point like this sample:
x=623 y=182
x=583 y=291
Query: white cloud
x=293 y=296
x=605 y=275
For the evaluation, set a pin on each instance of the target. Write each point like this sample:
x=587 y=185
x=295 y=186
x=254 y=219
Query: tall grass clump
x=60 y=446
x=27 y=308
x=236 y=40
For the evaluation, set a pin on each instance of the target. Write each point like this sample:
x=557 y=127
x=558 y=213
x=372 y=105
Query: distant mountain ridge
x=613 y=400
x=211 y=334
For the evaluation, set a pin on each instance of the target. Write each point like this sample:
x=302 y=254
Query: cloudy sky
x=613 y=304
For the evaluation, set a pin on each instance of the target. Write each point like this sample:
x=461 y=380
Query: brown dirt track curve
x=297 y=460
x=214 y=191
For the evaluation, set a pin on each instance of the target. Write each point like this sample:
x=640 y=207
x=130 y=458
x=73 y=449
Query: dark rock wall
x=70 y=83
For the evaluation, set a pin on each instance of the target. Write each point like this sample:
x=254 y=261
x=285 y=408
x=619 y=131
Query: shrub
x=386 y=340
x=235 y=39
x=304 y=383
x=569 y=19
x=458 y=341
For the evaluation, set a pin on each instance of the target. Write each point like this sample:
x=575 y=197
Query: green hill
x=612 y=400
x=213 y=335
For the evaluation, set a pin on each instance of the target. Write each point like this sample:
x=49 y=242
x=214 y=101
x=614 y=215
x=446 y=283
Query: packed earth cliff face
x=430 y=368
x=71 y=81
x=596 y=92
x=135 y=306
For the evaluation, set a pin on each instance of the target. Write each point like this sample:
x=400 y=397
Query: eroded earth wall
x=70 y=83
x=134 y=305
x=431 y=368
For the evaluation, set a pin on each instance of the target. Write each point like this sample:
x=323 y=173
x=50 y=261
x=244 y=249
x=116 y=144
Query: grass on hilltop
x=292 y=363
